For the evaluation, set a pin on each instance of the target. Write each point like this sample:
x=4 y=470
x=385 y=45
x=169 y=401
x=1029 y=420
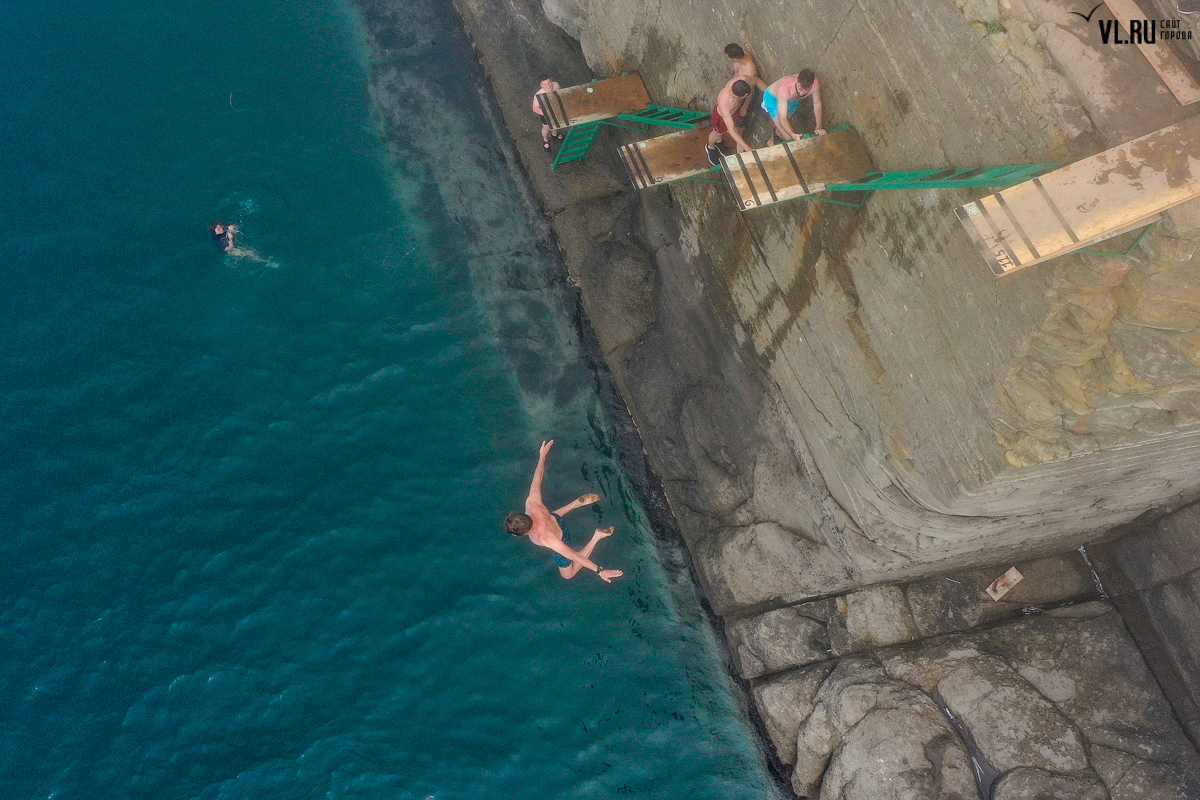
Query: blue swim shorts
x=562 y=562
x=770 y=105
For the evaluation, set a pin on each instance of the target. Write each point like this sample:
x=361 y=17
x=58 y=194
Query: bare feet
x=603 y=533
x=578 y=502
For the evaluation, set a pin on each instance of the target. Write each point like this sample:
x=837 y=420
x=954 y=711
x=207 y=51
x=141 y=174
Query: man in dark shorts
x=545 y=529
x=545 y=84
x=728 y=117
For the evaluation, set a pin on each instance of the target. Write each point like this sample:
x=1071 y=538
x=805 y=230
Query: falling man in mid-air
x=545 y=527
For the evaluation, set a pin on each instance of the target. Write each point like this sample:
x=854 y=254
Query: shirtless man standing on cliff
x=545 y=85
x=729 y=116
x=782 y=98
x=545 y=527
x=743 y=65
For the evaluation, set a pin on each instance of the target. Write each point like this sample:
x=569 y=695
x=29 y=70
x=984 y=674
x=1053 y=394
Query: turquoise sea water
x=249 y=532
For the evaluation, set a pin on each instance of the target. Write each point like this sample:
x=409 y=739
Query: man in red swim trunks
x=728 y=116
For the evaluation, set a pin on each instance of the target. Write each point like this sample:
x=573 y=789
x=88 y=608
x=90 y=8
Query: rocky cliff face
x=941 y=416
x=1057 y=706
x=844 y=405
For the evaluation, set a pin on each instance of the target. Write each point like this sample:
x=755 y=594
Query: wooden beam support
x=593 y=102
x=664 y=159
x=1088 y=201
x=794 y=169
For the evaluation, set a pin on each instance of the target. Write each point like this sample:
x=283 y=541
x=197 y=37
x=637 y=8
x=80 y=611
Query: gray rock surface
x=958 y=601
x=1047 y=691
x=777 y=640
x=868 y=619
x=621 y=294
x=1057 y=705
x=785 y=701
x=1154 y=575
x=876 y=617
x=1036 y=784
x=1014 y=724
x=849 y=746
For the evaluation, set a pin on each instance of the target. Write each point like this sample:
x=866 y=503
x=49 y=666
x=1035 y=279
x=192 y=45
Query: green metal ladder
x=953 y=178
x=579 y=138
x=576 y=144
x=963 y=178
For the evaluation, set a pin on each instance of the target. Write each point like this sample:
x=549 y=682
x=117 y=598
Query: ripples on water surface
x=251 y=543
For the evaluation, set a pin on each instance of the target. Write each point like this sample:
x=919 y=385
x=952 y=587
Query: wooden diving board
x=664 y=159
x=1162 y=56
x=1071 y=207
x=794 y=169
x=595 y=101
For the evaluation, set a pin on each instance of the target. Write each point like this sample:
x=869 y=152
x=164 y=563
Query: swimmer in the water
x=223 y=235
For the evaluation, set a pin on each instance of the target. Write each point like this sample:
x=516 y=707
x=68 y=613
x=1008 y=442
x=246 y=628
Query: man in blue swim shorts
x=790 y=89
x=545 y=529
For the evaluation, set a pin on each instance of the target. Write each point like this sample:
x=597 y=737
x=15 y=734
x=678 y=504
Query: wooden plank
x=794 y=169
x=1141 y=223
x=594 y=101
x=1161 y=56
x=1088 y=201
x=664 y=159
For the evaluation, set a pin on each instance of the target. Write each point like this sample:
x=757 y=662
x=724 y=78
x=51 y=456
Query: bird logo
x=1088 y=18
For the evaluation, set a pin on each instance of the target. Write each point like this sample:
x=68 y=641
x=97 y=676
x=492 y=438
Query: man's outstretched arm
x=571 y=555
x=581 y=562
x=535 y=488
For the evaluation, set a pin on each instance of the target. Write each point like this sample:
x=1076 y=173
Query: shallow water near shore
x=252 y=502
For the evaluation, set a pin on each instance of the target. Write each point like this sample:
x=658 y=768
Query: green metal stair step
x=576 y=144
x=666 y=116
x=974 y=178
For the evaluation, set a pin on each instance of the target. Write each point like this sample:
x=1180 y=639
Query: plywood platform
x=1162 y=56
x=1088 y=201
x=794 y=169
x=595 y=101
x=663 y=159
